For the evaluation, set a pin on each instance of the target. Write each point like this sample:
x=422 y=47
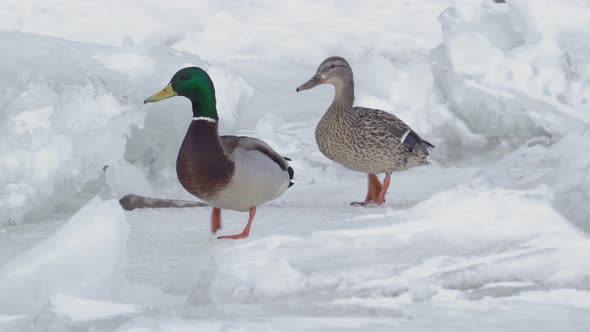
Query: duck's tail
x=428 y=143
x=413 y=141
x=291 y=173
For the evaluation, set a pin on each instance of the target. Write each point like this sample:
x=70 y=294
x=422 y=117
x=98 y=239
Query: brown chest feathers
x=202 y=167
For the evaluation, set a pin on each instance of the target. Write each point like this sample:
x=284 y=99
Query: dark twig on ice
x=131 y=202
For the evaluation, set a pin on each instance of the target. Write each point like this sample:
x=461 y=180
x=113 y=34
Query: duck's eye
x=185 y=77
x=332 y=66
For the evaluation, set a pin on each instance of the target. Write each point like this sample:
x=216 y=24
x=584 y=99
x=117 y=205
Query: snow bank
x=502 y=74
x=563 y=165
x=72 y=119
x=464 y=244
x=512 y=72
x=86 y=257
x=211 y=27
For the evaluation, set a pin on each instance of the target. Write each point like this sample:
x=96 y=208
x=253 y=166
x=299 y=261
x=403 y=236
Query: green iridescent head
x=195 y=84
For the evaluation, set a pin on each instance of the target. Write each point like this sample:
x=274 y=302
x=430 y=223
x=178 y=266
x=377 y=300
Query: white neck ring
x=203 y=118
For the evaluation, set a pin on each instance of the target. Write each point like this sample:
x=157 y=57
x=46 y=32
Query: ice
x=29 y=120
x=134 y=65
x=503 y=86
x=559 y=165
x=57 y=104
x=491 y=236
x=562 y=296
x=433 y=246
x=78 y=309
x=85 y=257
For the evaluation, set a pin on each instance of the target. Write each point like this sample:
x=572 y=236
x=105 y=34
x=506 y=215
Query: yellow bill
x=166 y=93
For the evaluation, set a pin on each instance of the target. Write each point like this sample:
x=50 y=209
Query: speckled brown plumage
x=364 y=139
x=367 y=140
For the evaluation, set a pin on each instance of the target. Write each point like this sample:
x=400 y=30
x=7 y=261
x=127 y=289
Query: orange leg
x=246 y=230
x=373 y=192
x=381 y=198
x=215 y=220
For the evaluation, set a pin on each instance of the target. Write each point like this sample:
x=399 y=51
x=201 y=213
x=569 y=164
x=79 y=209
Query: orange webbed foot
x=373 y=192
x=234 y=237
x=246 y=230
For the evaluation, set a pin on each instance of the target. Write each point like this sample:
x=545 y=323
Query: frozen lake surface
x=492 y=236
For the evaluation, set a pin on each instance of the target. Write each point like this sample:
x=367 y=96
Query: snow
x=136 y=66
x=434 y=245
x=78 y=309
x=68 y=261
x=56 y=106
x=492 y=236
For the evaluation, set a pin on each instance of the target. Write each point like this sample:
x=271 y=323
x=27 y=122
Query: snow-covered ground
x=492 y=236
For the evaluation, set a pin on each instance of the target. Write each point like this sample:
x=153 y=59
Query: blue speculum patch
x=410 y=142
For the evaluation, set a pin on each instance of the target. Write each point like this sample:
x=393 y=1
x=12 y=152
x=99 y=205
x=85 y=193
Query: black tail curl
x=291 y=173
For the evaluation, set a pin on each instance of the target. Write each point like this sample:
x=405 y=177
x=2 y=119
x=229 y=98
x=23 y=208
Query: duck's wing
x=230 y=143
x=374 y=118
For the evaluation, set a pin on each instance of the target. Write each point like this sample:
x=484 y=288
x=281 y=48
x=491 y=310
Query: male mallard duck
x=227 y=172
x=363 y=139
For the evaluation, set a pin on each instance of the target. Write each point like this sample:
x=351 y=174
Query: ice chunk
x=503 y=85
x=566 y=297
x=247 y=277
x=454 y=243
x=124 y=178
x=78 y=309
x=27 y=121
x=420 y=291
x=232 y=93
x=136 y=66
x=12 y=322
x=562 y=165
x=72 y=109
x=86 y=257
x=15 y=201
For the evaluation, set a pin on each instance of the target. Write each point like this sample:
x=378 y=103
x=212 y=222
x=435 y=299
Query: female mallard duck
x=227 y=172
x=363 y=139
